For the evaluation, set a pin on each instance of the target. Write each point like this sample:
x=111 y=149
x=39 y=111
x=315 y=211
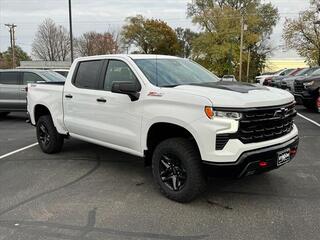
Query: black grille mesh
x=261 y=124
x=266 y=124
x=298 y=87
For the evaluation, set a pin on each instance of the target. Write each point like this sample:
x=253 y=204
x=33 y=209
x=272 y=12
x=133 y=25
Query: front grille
x=266 y=123
x=298 y=86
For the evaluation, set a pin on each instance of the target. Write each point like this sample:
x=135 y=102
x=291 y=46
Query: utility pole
x=12 y=41
x=248 y=65
x=71 y=35
x=241 y=47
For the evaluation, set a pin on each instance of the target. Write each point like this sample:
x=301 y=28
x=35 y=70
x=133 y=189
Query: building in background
x=275 y=64
x=44 y=65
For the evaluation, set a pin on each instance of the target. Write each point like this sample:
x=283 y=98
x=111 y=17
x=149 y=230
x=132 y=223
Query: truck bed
x=49 y=95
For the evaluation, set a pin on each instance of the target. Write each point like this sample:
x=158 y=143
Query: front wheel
x=49 y=139
x=177 y=169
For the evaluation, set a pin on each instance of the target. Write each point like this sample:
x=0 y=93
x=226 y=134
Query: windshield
x=52 y=76
x=174 y=72
x=302 y=72
x=316 y=72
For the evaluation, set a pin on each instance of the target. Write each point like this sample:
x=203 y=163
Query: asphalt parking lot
x=90 y=192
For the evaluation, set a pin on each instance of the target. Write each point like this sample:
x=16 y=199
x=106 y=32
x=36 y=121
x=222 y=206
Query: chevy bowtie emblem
x=281 y=113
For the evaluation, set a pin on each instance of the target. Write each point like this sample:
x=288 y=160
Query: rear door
x=10 y=92
x=81 y=114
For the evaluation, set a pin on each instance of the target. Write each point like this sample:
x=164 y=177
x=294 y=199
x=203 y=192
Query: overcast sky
x=101 y=15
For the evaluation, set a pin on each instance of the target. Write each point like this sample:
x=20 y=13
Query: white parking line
x=18 y=150
x=310 y=120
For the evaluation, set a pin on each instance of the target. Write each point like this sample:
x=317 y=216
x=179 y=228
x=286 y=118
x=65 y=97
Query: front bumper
x=249 y=162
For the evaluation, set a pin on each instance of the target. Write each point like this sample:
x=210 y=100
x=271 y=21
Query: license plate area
x=283 y=157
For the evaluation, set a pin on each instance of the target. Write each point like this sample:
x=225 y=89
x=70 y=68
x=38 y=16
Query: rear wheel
x=311 y=105
x=49 y=139
x=4 y=114
x=177 y=169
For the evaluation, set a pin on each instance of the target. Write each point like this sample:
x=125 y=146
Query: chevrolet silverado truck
x=171 y=111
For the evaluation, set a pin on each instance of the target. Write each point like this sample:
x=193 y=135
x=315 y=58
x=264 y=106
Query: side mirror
x=129 y=88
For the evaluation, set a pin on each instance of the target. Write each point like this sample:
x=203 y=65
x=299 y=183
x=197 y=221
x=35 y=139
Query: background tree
x=303 y=35
x=150 y=36
x=93 y=43
x=6 y=57
x=185 y=38
x=52 y=42
x=218 y=45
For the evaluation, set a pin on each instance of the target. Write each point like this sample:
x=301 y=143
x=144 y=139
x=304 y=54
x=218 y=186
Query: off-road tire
x=188 y=154
x=55 y=141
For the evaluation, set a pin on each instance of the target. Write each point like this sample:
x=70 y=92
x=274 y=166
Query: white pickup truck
x=177 y=115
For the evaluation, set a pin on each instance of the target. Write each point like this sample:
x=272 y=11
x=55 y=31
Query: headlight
x=223 y=114
x=211 y=113
x=307 y=84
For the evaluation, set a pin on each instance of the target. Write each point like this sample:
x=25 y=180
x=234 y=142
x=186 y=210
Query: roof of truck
x=23 y=70
x=133 y=56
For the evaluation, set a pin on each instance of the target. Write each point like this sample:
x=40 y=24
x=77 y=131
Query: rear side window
x=9 y=78
x=88 y=74
x=31 y=78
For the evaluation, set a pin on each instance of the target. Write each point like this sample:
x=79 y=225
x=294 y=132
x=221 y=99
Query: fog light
x=263 y=164
x=293 y=152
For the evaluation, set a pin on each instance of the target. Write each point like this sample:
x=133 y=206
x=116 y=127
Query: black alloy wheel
x=44 y=135
x=172 y=172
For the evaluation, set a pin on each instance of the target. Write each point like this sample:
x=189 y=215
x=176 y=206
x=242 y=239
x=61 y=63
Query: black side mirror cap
x=129 y=88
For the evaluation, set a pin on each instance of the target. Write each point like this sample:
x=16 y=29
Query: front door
x=122 y=117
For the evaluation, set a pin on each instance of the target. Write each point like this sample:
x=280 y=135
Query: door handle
x=101 y=100
x=68 y=96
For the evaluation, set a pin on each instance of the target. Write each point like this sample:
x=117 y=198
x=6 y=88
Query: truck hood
x=238 y=95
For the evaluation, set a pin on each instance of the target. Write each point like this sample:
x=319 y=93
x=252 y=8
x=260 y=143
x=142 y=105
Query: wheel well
x=39 y=111
x=158 y=132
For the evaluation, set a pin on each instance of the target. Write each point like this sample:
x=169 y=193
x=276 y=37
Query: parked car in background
x=276 y=80
x=260 y=79
x=13 y=87
x=268 y=81
x=288 y=82
x=63 y=72
x=229 y=78
x=307 y=91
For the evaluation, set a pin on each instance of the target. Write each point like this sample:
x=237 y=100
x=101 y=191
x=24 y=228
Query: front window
x=174 y=72
x=118 y=71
